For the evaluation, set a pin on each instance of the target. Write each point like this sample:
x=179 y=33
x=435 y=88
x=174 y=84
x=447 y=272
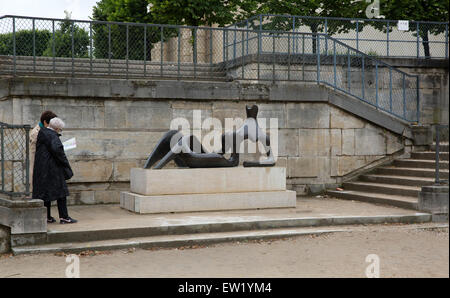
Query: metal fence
x=437 y=133
x=14 y=159
x=376 y=37
x=57 y=47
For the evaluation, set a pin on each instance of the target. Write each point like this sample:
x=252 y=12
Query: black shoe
x=51 y=219
x=67 y=220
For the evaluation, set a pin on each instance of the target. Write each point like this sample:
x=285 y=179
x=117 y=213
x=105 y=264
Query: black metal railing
x=437 y=179
x=376 y=37
x=64 y=47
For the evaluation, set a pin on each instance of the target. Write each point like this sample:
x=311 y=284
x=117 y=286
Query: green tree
x=194 y=12
x=317 y=8
x=62 y=43
x=110 y=40
x=24 y=42
x=417 y=10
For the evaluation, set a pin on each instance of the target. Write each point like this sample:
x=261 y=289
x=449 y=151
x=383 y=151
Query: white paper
x=70 y=144
x=403 y=25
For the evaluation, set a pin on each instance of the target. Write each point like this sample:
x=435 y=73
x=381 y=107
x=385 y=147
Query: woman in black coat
x=51 y=170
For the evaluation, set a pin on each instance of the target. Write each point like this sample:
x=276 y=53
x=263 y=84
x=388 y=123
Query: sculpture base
x=207 y=202
x=207 y=189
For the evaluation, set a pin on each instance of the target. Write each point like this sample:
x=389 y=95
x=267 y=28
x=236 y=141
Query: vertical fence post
x=127 y=49
x=14 y=46
x=162 y=51
x=303 y=56
x=226 y=52
x=326 y=32
x=404 y=96
x=387 y=39
x=349 y=74
x=246 y=41
x=318 y=57
x=34 y=46
x=90 y=46
x=376 y=83
x=357 y=34
x=73 y=49
x=109 y=49
x=273 y=58
x=27 y=159
x=234 y=44
x=417 y=43
x=211 y=47
x=195 y=52
x=446 y=41
x=363 y=77
x=53 y=46
x=390 y=89
x=258 y=53
x=145 y=50
x=260 y=30
x=179 y=50
x=417 y=100
x=289 y=56
x=436 y=173
x=224 y=45
x=334 y=64
x=294 y=37
x=242 y=53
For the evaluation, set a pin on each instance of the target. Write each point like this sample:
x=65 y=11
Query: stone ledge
x=207 y=202
x=434 y=199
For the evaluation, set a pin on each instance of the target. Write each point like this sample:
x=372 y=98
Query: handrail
x=337 y=66
x=437 y=179
x=417 y=34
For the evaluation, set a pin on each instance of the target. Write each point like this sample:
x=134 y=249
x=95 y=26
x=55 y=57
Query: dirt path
x=402 y=252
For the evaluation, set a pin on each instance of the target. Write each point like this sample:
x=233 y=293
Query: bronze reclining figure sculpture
x=183 y=154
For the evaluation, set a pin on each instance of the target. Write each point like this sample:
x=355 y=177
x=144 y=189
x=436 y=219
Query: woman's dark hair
x=47 y=116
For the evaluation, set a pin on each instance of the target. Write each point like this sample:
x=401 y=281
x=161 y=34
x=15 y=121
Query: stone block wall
x=318 y=143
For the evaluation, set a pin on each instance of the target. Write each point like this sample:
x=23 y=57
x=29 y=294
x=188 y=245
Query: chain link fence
x=375 y=37
x=56 y=47
x=14 y=159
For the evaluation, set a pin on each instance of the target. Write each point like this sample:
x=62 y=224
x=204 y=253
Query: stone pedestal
x=213 y=189
x=434 y=199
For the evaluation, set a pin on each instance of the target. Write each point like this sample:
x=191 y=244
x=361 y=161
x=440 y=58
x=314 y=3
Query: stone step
x=442 y=147
x=167 y=241
x=411 y=172
x=377 y=198
x=198 y=227
x=213 y=238
x=398 y=180
x=420 y=163
x=429 y=155
x=390 y=189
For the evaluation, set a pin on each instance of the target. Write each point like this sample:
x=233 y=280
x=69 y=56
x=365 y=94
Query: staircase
x=397 y=184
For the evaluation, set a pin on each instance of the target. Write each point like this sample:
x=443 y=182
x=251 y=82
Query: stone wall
x=117 y=123
x=5 y=239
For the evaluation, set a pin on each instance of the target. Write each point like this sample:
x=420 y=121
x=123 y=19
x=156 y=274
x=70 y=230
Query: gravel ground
x=403 y=251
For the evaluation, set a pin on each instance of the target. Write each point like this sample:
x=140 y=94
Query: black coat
x=51 y=167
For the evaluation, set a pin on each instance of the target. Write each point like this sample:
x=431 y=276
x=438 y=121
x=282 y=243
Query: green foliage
x=194 y=12
x=416 y=10
x=63 y=41
x=124 y=11
x=318 y=8
x=24 y=42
